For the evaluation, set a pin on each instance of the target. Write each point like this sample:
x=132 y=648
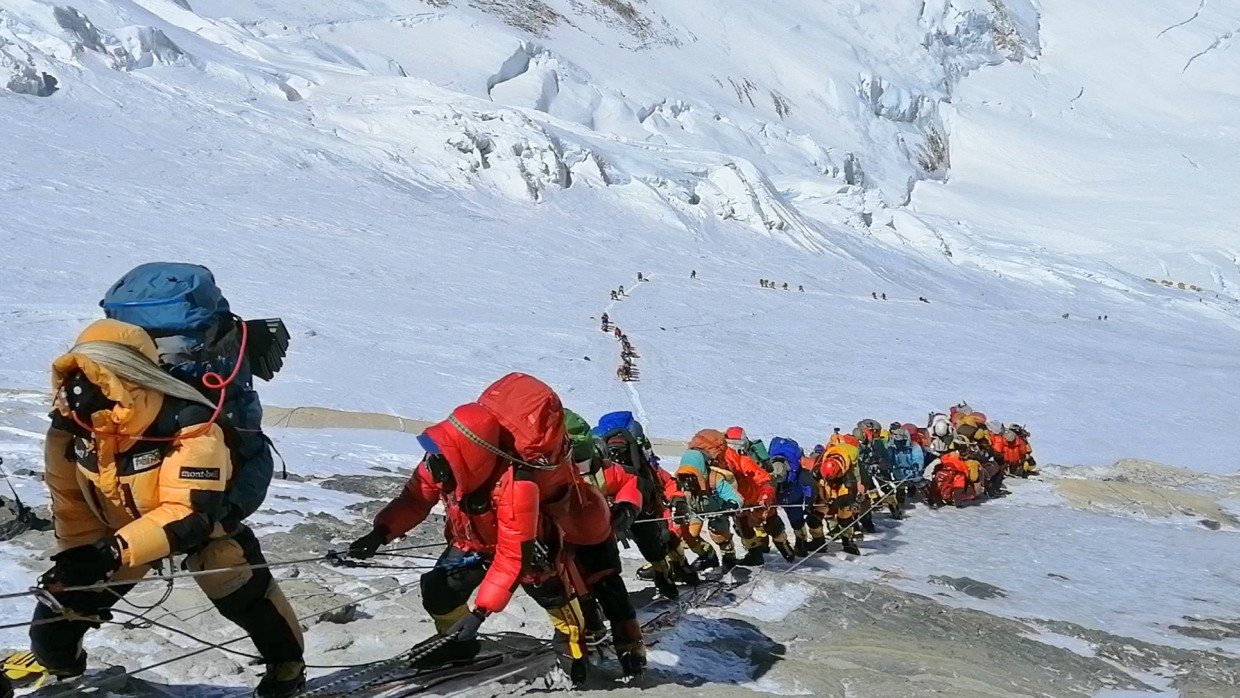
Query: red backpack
x=532 y=417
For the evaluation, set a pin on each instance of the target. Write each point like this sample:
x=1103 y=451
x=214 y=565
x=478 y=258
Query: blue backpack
x=791 y=452
x=620 y=420
x=195 y=333
x=626 y=444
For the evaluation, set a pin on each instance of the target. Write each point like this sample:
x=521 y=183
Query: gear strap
x=495 y=450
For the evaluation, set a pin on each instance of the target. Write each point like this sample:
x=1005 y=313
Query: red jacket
x=522 y=505
x=752 y=481
x=617 y=484
x=1008 y=453
x=667 y=483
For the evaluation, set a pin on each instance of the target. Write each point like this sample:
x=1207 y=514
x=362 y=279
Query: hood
x=694 y=462
x=136 y=407
x=472 y=465
x=579 y=437
x=712 y=443
x=532 y=417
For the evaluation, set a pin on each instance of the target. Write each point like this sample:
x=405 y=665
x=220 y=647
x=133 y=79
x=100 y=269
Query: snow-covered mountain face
x=435 y=193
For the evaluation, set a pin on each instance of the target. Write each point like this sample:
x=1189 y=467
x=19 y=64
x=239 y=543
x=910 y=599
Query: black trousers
x=248 y=597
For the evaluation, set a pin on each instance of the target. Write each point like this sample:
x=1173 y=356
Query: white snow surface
x=433 y=194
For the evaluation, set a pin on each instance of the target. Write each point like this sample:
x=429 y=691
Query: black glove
x=680 y=510
x=466 y=628
x=231 y=520
x=623 y=514
x=365 y=547
x=87 y=564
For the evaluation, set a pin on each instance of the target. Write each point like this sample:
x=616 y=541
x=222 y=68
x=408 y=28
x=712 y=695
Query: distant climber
x=874 y=295
x=693 y=274
x=606 y=322
x=801 y=289
x=923 y=299
x=785 y=286
x=620 y=291
x=762 y=283
x=884 y=296
x=616 y=331
x=613 y=296
x=639 y=277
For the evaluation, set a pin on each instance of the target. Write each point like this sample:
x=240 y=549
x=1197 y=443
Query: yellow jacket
x=157 y=496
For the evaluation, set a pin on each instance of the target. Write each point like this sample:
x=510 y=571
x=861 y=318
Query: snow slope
x=435 y=194
x=1079 y=583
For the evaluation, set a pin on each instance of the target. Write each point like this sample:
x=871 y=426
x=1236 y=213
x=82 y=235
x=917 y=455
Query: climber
x=871 y=466
x=639 y=277
x=613 y=296
x=794 y=487
x=710 y=494
x=801 y=289
x=139 y=470
x=761 y=525
x=955 y=472
x=606 y=322
x=620 y=291
x=693 y=274
x=625 y=443
x=785 y=286
x=940 y=434
x=907 y=463
x=514 y=506
x=835 y=505
x=616 y=331
x=1029 y=465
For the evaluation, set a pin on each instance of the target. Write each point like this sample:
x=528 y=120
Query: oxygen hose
x=210 y=380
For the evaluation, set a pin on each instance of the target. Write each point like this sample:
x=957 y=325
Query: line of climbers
x=142 y=465
x=627 y=371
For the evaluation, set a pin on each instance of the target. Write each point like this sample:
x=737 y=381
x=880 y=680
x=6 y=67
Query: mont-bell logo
x=200 y=473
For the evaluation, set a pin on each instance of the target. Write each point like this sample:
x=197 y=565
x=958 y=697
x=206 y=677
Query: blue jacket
x=907 y=463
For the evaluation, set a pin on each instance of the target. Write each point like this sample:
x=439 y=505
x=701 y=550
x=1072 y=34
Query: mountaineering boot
x=663 y=582
x=22 y=669
x=630 y=647
x=632 y=663
x=817 y=545
x=683 y=573
x=897 y=511
x=729 y=561
x=867 y=523
x=785 y=549
x=802 y=548
x=753 y=558
x=6 y=687
x=282 y=680
x=850 y=547
x=706 y=561
x=646 y=572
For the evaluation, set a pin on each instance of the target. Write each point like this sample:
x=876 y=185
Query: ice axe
x=23 y=512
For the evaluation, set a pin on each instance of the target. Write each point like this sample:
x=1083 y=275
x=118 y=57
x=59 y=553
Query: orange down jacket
x=156 y=497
